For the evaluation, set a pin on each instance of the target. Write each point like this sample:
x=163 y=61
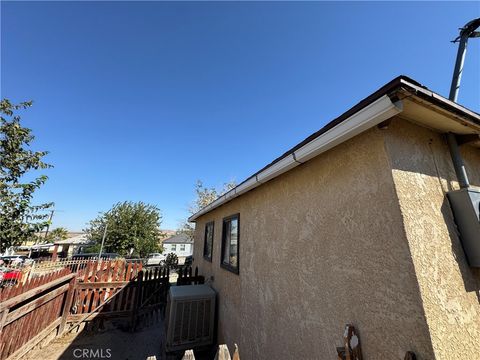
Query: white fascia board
x=222 y=199
x=372 y=115
x=200 y=213
x=230 y=194
x=285 y=164
x=246 y=186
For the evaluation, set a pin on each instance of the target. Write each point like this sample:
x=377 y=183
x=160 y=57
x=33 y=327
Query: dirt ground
x=112 y=342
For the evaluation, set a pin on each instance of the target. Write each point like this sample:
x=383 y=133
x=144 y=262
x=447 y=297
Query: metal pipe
x=457 y=160
x=457 y=72
x=466 y=32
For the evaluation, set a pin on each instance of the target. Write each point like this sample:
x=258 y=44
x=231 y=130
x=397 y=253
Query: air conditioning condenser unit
x=190 y=317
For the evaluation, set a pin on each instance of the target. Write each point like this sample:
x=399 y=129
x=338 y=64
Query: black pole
x=466 y=32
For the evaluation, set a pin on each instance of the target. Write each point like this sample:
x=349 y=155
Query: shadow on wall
x=470 y=275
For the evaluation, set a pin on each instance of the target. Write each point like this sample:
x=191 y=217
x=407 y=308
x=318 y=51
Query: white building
x=180 y=244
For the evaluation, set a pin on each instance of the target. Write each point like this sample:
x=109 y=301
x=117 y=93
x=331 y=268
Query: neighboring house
x=72 y=245
x=180 y=244
x=36 y=250
x=352 y=225
x=39 y=248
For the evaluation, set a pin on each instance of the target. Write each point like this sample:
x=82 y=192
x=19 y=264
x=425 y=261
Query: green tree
x=57 y=234
x=203 y=197
x=130 y=225
x=19 y=218
x=171 y=261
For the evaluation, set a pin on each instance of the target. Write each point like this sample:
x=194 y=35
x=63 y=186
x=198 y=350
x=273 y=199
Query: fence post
x=222 y=353
x=68 y=304
x=137 y=301
x=55 y=253
x=3 y=318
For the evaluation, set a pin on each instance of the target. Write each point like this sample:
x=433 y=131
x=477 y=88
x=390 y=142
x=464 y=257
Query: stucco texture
x=422 y=171
x=322 y=246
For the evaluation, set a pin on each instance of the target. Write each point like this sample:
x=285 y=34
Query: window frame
x=206 y=257
x=173 y=247
x=233 y=269
x=182 y=248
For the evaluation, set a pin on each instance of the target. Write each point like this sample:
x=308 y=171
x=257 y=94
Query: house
x=353 y=225
x=179 y=244
x=58 y=248
x=71 y=245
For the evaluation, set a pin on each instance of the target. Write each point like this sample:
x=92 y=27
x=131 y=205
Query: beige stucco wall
x=321 y=246
x=423 y=173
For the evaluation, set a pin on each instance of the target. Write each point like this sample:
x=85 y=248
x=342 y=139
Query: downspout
x=457 y=161
x=466 y=32
x=465 y=202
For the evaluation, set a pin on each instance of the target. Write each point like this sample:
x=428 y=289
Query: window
x=174 y=247
x=208 y=241
x=182 y=247
x=230 y=243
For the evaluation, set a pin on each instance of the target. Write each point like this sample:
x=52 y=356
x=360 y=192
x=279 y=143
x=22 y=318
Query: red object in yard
x=10 y=276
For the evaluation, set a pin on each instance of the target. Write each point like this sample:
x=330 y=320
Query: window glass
x=182 y=247
x=230 y=243
x=174 y=247
x=208 y=243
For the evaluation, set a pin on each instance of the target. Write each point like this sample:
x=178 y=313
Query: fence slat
x=35 y=340
x=67 y=306
x=31 y=311
x=18 y=313
x=223 y=353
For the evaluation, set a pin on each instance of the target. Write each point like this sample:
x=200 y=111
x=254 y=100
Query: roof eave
x=377 y=107
x=366 y=117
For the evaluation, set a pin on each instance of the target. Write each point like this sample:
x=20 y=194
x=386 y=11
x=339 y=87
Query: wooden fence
x=32 y=310
x=185 y=276
x=62 y=299
x=118 y=289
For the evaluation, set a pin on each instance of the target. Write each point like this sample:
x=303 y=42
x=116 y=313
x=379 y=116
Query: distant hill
x=167 y=233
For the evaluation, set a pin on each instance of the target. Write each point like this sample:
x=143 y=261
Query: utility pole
x=103 y=241
x=48 y=225
x=46 y=233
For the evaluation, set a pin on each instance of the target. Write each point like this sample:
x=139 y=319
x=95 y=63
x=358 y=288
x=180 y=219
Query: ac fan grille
x=192 y=321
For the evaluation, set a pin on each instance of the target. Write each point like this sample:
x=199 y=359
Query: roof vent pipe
x=468 y=31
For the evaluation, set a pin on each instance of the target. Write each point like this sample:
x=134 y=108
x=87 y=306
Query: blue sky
x=135 y=101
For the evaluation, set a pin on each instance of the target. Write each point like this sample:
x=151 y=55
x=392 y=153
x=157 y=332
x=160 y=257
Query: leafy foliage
x=204 y=196
x=91 y=249
x=57 y=234
x=131 y=225
x=19 y=218
x=171 y=261
x=186 y=228
x=52 y=236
